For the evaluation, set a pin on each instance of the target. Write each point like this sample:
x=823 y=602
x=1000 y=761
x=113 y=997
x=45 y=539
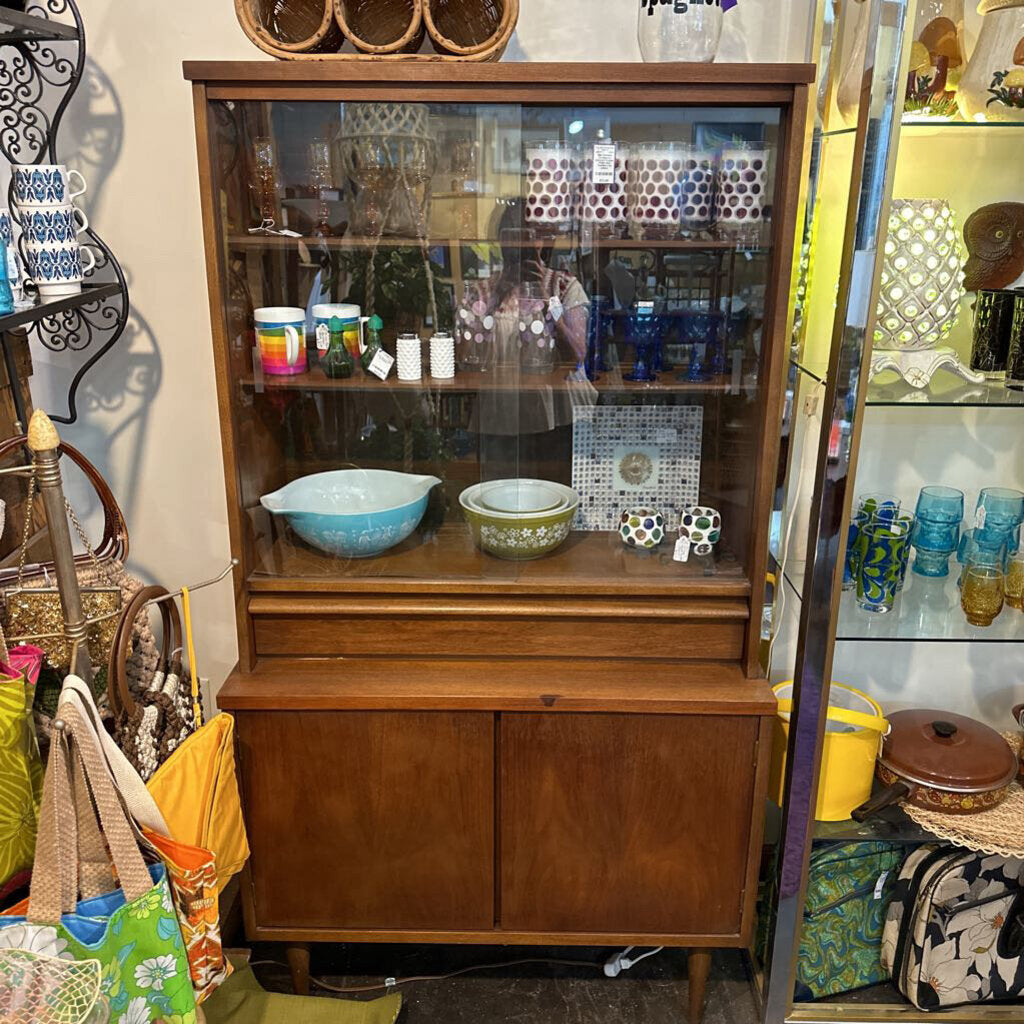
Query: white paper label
x=323 y=337
x=645 y=308
x=682 y=550
x=979 y=518
x=880 y=885
x=666 y=435
x=555 y=308
x=604 y=163
x=380 y=364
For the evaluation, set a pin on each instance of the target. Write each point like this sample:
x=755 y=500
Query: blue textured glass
x=597 y=336
x=936 y=533
x=6 y=295
x=978 y=548
x=643 y=331
x=852 y=554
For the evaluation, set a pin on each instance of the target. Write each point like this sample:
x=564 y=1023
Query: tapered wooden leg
x=698 y=964
x=298 y=962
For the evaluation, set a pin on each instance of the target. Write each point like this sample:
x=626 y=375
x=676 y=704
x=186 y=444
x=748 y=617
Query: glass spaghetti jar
x=685 y=30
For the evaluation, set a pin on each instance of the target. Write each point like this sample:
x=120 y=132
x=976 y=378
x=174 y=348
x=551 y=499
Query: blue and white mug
x=45 y=224
x=57 y=268
x=44 y=184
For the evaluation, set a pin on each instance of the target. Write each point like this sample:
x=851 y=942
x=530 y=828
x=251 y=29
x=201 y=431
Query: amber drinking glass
x=1014 y=585
x=982 y=591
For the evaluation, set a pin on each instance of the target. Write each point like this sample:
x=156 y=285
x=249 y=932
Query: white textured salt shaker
x=408 y=351
x=442 y=356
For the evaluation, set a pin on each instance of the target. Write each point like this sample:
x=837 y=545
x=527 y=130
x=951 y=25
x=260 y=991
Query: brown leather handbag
x=152 y=710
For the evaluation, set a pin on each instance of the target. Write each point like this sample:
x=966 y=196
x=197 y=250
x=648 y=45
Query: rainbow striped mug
x=281 y=337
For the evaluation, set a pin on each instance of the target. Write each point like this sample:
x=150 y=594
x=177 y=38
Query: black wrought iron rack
x=42 y=57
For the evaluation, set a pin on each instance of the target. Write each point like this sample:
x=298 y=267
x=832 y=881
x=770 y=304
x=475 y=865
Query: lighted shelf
x=448 y=557
x=466 y=382
x=917 y=127
x=945 y=391
x=926 y=610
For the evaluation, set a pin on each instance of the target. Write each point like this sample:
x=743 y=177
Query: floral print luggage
x=954 y=933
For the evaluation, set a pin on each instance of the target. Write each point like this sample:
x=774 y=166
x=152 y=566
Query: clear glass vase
x=686 y=30
x=992 y=86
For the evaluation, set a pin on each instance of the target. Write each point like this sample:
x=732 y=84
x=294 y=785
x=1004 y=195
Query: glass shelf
x=918 y=126
x=926 y=610
x=946 y=390
x=41 y=310
x=890 y=825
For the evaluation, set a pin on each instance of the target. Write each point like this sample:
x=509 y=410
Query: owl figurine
x=994 y=236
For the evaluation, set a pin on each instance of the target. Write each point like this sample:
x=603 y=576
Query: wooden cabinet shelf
x=468 y=382
x=594 y=562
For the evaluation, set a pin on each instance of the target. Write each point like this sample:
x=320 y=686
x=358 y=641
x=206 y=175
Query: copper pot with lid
x=943 y=762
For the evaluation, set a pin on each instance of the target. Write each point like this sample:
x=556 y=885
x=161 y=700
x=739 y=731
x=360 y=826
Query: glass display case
x=501 y=353
x=898 y=513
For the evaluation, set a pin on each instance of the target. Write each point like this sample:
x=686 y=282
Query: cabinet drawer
x=626 y=823
x=370 y=819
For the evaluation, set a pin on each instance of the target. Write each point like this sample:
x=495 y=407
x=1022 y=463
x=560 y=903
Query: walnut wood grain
x=625 y=822
x=495 y=684
x=370 y=819
x=510 y=72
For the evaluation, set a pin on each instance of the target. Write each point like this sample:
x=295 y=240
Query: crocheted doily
x=997 y=831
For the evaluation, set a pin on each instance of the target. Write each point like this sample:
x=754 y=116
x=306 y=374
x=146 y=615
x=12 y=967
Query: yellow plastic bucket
x=853 y=733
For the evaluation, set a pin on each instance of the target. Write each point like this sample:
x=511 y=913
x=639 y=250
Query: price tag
x=666 y=435
x=979 y=518
x=682 y=550
x=555 y=308
x=604 y=163
x=380 y=364
x=880 y=885
x=323 y=337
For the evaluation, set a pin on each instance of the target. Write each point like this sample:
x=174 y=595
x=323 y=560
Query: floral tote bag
x=962 y=940
x=133 y=930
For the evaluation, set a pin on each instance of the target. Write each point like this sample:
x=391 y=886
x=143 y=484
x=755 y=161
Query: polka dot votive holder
x=702 y=526
x=642 y=527
x=551 y=185
x=742 y=190
x=604 y=205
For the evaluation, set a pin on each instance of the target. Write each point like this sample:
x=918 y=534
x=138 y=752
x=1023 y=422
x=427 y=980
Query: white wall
x=148 y=410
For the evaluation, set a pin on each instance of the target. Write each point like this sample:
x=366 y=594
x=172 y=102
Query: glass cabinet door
x=497 y=341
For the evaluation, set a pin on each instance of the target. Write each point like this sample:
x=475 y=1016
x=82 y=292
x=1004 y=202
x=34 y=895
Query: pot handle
x=835 y=714
x=882 y=799
x=1018 y=715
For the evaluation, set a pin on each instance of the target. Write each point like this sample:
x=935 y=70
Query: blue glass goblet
x=643 y=331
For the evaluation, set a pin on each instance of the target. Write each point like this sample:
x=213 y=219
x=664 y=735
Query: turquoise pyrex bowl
x=353 y=513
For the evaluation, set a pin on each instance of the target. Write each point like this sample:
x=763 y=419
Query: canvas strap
x=55 y=872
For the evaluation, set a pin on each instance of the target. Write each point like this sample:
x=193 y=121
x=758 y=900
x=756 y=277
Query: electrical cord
x=390 y=983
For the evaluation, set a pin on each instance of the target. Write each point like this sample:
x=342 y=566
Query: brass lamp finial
x=42 y=434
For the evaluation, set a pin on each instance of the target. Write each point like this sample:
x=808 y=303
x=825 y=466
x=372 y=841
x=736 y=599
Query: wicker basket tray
x=285 y=28
x=467 y=28
x=381 y=26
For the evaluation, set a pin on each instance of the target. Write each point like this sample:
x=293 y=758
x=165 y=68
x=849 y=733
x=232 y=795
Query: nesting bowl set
x=519 y=519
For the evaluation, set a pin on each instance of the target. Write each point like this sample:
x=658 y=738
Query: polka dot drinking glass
x=551 y=185
x=742 y=190
x=474 y=330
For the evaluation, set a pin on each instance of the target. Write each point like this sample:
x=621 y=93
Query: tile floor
x=653 y=992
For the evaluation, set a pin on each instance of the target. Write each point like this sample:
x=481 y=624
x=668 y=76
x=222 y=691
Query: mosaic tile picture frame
x=634 y=455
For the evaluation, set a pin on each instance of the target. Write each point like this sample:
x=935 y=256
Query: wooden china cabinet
x=438 y=744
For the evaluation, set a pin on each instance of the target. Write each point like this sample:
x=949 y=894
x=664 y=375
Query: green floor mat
x=240 y=1000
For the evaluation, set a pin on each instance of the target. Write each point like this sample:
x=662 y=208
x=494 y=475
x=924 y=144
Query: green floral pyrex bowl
x=519 y=535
